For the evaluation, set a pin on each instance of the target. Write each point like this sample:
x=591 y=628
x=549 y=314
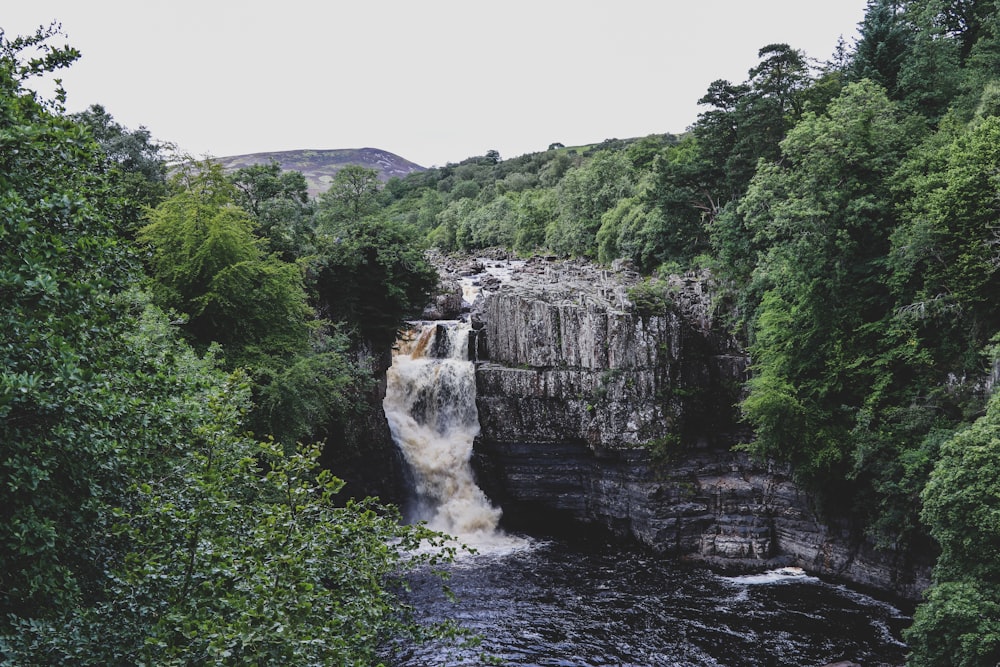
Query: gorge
x=595 y=414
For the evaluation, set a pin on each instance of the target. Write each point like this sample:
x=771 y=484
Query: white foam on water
x=778 y=576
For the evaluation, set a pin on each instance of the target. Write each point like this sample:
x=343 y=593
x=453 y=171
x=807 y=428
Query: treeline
x=168 y=337
x=850 y=211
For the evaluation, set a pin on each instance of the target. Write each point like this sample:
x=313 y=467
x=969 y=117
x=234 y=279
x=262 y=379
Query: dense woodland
x=168 y=339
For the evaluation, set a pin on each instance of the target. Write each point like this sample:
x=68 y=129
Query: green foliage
x=218 y=548
x=489 y=225
x=959 y=623
x=962 y=500
x=259 y=184
x=136 y=161
x=894 y=450
x=945 y=255
x=208 y=264
x=372 y=275
x=680 y=192
x=61 y=265
x=255 y=304
x=650 y=297
x=279 y=202
x=930 y=55
x=747 y=121
x=352 y=196
x=431 y=204
x=301 y=400
x=821 y=224
x=585 y=193
x=446 y=235
x=27 y=56
x=882 y=47
x=930 y=76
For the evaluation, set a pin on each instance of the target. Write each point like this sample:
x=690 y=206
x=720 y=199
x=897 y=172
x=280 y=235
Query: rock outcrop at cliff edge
x=593 y=414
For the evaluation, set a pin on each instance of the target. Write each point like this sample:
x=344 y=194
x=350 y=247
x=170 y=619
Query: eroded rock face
x=446 y=304
x=594 y=415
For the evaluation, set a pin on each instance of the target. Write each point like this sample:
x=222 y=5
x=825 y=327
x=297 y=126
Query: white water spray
x=430 y=405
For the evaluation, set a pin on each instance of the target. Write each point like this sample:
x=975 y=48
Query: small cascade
x=430 y=405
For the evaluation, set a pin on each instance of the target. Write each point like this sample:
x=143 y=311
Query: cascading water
x=430 y=404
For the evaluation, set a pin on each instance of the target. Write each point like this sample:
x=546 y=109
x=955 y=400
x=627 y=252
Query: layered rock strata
x=593 y=414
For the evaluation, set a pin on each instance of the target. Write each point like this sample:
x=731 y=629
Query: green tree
x=965 y=22
x=371 y=276
x=930 y=75
x=822 y=219
x=137 y=162
x=208 y=264
x=924 y=52
x=493 y=224
x=535 y=208
x=353 y=195
x=464 y=190
x=214 y=547
x=450 y=224
x=718 y=131
x=638 y=230
x=959 y=621
x=62 y=265
x=944 y=256
x=886 y=38
x=279 y=202
x=305 y=397
x=430 y=205
x=259 y=184
x=681 y=190
x=747 y=121
x=139 y=524
x=585 y=193
x=979 y=86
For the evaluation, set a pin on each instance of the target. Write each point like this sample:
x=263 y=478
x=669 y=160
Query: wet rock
x=447 y=304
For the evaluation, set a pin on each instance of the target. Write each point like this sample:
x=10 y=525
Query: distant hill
x=320 y=166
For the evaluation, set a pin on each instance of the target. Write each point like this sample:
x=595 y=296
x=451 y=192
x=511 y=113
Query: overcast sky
x=434 y=81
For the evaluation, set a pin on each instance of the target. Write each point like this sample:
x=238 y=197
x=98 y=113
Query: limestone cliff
x=593 y=413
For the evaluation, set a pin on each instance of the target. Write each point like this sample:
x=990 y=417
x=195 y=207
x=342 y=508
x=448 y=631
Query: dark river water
x=583 y=605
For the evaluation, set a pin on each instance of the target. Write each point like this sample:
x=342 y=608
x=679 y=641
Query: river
x=556 y=603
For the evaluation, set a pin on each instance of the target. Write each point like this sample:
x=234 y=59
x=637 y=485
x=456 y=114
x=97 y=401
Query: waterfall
x=430 y=404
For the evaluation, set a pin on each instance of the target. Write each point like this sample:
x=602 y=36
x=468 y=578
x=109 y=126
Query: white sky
x=434 y=81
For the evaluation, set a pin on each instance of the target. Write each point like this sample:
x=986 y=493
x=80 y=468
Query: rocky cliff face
x=594 y=414
x=360 y=450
